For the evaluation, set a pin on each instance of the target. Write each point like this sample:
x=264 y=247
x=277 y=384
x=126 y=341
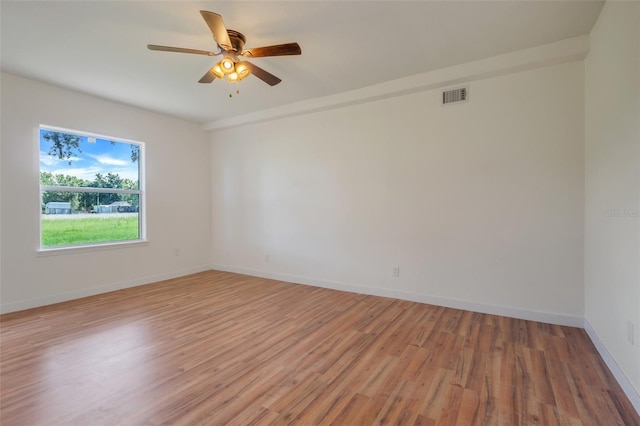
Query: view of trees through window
x=90 y=189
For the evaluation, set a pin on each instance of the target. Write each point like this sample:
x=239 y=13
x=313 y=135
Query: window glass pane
x=68 y=159
x=98 y=200
x=109 y=217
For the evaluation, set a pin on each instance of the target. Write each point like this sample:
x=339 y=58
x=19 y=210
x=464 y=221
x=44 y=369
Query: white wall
x=177 y=176
x=612 y=242
x=480 y=204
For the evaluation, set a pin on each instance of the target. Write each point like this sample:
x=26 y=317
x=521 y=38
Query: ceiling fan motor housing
x=237 y=40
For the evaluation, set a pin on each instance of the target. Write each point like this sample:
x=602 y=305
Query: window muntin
x=90 y=189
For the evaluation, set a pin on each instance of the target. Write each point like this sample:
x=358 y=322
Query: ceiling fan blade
x=180 y=50
x=277 y=50
x=219 y=31
x=263 y=75
x=208 y=77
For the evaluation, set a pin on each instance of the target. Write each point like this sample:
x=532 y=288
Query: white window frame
x=142 y=234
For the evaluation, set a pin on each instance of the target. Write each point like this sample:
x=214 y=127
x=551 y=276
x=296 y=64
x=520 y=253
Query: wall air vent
x=452 y=96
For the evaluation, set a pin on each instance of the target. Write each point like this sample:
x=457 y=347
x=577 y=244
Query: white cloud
x=103 y=164
x=110 y=161
x=50 y=160
x=87 y=173
x=129 y=174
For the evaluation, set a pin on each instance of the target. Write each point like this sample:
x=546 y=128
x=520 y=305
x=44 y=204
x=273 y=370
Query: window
x=90 y=189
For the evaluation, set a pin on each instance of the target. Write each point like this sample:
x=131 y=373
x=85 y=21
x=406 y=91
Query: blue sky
x=97 y=156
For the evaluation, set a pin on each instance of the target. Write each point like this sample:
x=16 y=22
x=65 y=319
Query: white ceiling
x=99 y=47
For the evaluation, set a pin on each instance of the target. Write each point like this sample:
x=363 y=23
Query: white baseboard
x=632 y=393
x=77 y=294
x=546 y=317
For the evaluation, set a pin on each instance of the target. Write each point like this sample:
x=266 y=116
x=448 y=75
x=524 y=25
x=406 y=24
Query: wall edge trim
x=546 y=317
x=627 y=387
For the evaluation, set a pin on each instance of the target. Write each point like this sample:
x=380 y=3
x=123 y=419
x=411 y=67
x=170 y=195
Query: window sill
x=56 y=251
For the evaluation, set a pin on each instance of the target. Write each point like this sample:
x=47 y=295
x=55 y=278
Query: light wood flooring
x=220 y=348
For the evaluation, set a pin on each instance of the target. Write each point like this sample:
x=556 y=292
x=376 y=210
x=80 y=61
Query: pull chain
x=237 y=90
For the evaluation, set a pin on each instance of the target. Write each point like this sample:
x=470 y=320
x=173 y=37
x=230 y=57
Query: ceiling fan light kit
x=227 y=65
x=242 y=69
x=216 y=70
x=231 y=45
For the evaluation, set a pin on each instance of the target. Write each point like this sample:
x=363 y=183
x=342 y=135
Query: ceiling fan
x=231 y=46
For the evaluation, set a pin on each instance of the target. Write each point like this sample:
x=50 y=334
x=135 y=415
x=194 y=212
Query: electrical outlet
x=630 y=333
x=267 y=258
x=396 y=272
x=176 y=252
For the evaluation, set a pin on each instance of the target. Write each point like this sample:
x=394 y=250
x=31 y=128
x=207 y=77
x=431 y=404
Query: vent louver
x=460 y=94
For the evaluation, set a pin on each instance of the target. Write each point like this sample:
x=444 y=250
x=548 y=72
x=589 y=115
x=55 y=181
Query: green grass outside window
x=87 y=230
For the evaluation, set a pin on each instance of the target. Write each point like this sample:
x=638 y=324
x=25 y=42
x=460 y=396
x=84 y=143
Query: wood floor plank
x=397 y=405
x=218 y=348
x=361 y=410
